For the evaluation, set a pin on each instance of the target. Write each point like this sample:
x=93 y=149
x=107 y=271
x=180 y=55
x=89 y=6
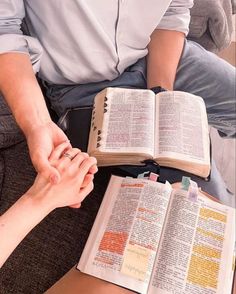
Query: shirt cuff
x=178 y=23
x=22 y=44
x=177 y=16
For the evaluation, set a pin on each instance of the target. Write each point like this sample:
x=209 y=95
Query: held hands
x=76 y=171
x=76 y=182
x=42 y=140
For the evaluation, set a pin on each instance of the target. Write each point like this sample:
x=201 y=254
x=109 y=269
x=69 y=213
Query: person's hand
x=63 y=150
x=76 y=180
x=41 y=142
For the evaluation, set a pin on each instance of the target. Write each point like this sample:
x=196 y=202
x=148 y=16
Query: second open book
x=129 y=126
x=150 y=238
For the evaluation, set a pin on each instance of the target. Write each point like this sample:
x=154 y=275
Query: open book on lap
x=151 y=238
x=129 y=126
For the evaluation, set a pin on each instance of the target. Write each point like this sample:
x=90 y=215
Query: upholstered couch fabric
x=56 y=244
x=211 y=23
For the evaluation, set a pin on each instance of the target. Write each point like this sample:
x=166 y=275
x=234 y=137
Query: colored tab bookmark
x=185 y=183
x=191 y=187
x=143 y=175
x=153 y=177
x=193 y=191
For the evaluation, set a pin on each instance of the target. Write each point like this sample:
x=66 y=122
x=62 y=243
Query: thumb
x=49 y=172
x=75 y=205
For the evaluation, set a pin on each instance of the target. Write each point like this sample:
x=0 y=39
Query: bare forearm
x=21 y=91
x=19 y=220
x=164 y=52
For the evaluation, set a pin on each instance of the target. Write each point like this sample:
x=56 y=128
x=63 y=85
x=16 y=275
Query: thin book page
x=183 y=127
x=123 y=243
x=196 y=250
x=128 y=125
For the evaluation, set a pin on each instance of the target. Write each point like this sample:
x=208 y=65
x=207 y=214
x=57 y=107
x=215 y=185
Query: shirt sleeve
x=177 y=16
x=12 y=38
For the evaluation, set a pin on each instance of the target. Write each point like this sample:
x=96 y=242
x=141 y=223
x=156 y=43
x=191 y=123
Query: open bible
x=129 y=126
x=151 y=238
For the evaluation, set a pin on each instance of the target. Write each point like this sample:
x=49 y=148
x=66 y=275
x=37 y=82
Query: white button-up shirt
x=81 y=41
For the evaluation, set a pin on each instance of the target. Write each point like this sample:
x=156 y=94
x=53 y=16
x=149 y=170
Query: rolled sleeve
x=177 y=16
x=12 y=39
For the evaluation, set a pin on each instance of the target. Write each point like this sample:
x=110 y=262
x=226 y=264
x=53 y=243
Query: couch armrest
x=211 y=23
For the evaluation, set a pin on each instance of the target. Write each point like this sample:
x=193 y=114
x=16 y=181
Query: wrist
x=31 y=125
x=158 y=89
x=29 y=128
x=40 y=202
x=165 y=83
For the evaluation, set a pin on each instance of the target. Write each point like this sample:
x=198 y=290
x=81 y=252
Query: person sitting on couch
x=81 y=47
